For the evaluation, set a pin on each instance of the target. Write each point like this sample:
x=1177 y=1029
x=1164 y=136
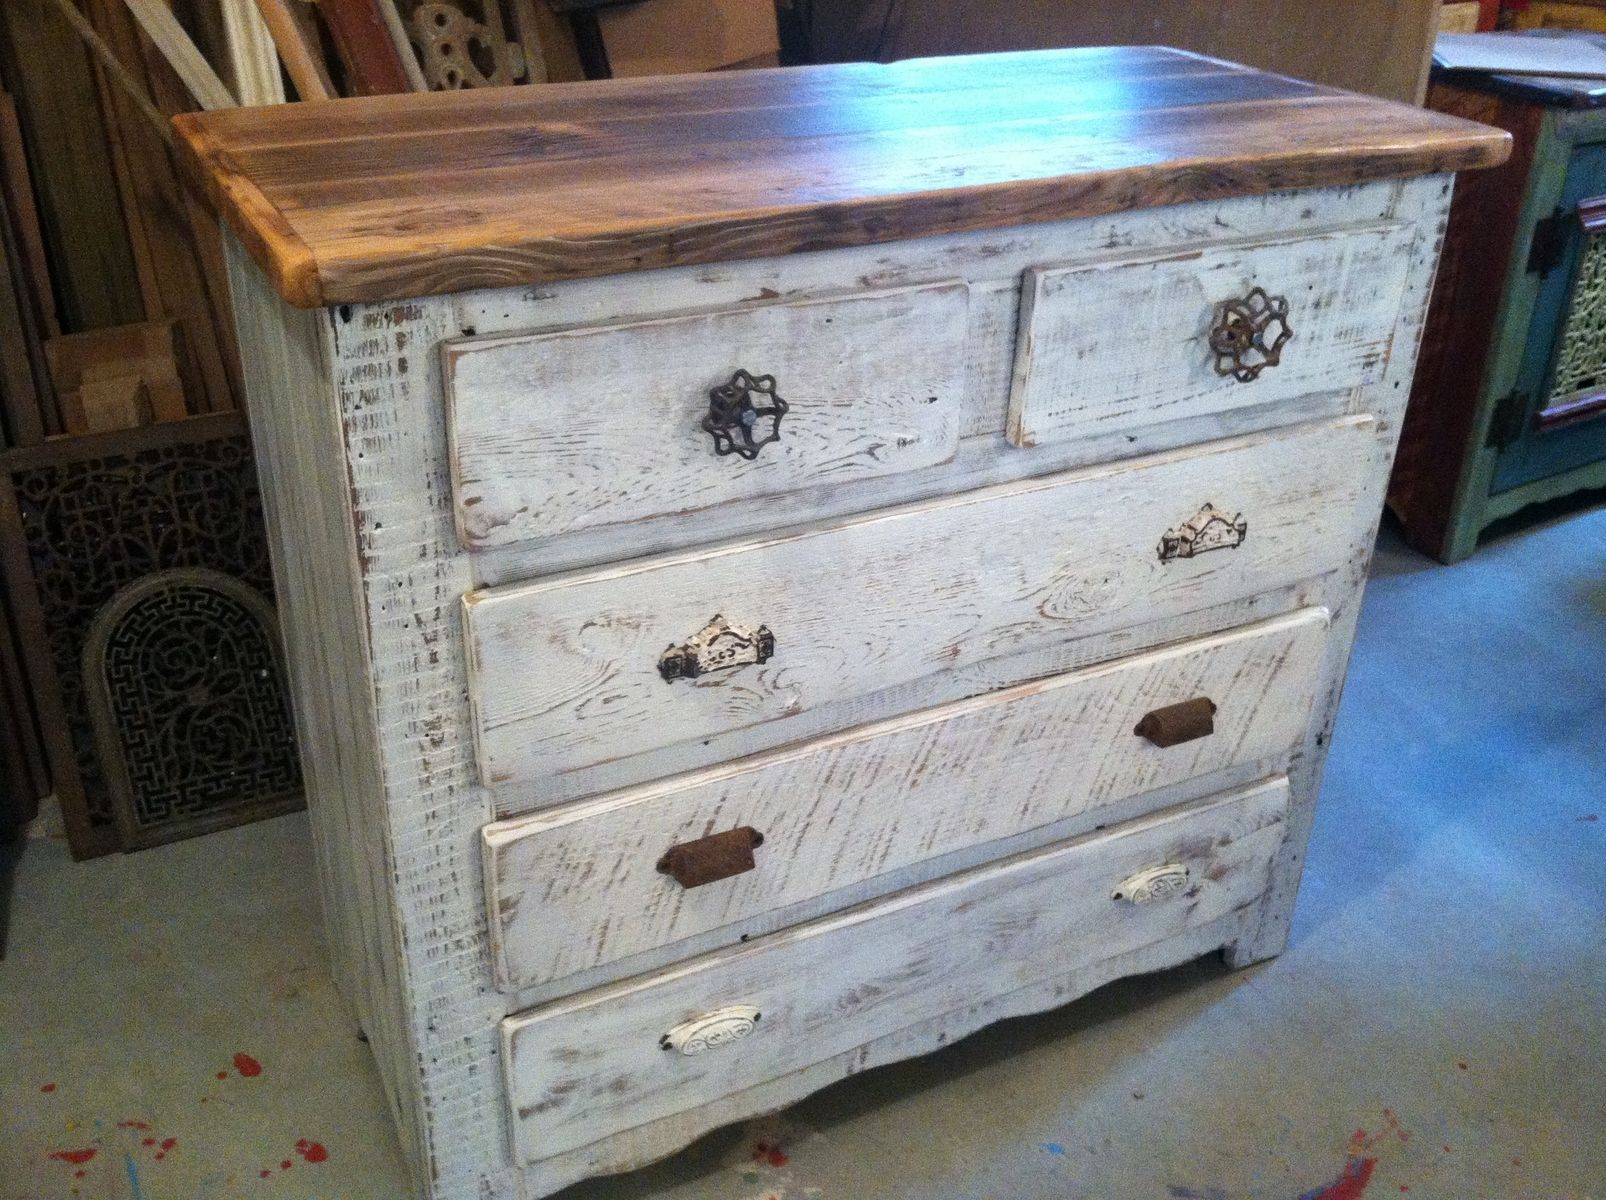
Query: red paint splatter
x=1446 y=1149
x=313 y=1152
x=263 y=1174
x=770 y=1153
x=160 y=1156
x=285 y=1164
x=1590 y=817
x=169 y=1143
x=1516 y=1162
x=77 y=1157
x=132 y=1125
x=1463 y=1066
x=148 y=1142
x=47 y=1088
x=1351 y=1185
x=247 y=1066
x=222 y=1074
x=1405 y=1187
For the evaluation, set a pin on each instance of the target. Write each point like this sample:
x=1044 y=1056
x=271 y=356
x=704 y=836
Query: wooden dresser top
x=393 y=197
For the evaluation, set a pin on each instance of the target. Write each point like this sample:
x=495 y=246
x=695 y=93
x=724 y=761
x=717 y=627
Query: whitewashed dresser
x=782 y=569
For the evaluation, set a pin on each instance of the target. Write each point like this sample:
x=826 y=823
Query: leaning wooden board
x=887 y=476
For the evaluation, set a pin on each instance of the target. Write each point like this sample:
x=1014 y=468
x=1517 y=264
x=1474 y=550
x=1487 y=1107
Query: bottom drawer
x=609 y=1060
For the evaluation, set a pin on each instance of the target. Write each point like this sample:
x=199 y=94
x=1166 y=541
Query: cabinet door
x=1560 y=419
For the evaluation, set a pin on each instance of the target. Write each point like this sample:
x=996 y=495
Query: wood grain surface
x=864 y=804
x=590 y=1066
x=600 y=425
x=563 y=673
x=395 y=197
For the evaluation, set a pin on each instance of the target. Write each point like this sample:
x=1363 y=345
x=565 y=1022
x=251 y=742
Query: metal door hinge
x=1549 y=242
x=1510 y=416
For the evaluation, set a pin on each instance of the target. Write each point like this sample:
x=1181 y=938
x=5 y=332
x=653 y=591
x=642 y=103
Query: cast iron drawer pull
x=1249 y=334
x=710 y=859
x=717 y=646
x=1208 y=529
x=737 y=425
x=1177 y=723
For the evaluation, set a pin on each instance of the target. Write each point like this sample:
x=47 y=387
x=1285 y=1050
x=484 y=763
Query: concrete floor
x=1437 y=1027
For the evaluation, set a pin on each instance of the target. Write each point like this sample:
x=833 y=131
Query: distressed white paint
x=1126 y=343
x=564 y=672
x=876 y=800
x=566 y=430
x=349 y=417
x=590 y=1066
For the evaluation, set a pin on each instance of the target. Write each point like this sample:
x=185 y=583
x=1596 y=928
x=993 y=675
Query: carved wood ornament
x=459 y=51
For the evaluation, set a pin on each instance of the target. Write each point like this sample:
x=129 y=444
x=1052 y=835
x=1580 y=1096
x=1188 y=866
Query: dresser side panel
x=1425 y=200
x=298 y=443
x=412 y=576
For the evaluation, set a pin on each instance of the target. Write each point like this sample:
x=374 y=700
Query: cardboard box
x=674 y=37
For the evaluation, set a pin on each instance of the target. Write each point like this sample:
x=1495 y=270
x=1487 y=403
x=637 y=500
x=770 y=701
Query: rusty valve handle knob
x=737 y=424
x=710 y=859
x=1178 y=723
x=1249 y=334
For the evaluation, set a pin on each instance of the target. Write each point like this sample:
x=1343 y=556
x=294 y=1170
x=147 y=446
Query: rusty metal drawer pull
x=717 y=646
x=737 y=425
x=1178 y=723
x=1249 y=334
x=710 y=859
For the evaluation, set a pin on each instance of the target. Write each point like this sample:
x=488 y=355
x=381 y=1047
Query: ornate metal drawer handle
x=1208 y=529
x=710 y=859
x=737 y=425
x=711 y=1030
x=717 y=646
x=1178 y=723
x=1152 y=883
x=1249 y=334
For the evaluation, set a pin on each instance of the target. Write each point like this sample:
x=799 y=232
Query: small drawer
x=725 y=847
x=562 y=431
x=603 y=665
x=1125 y=343
x=656 y=1046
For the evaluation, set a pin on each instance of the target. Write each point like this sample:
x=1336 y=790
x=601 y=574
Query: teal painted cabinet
x=1509 y=406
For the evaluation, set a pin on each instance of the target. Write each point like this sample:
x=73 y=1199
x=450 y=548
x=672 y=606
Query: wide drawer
x=871 y=803
x=618 y=1057
x=1126 y=343
x=569 y=672
x=556 y=432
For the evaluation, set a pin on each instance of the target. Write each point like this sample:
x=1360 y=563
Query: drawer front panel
x=608 y=1060
x=565 y=673
x=869 y=803
x=1123 y=344
x=556 y=432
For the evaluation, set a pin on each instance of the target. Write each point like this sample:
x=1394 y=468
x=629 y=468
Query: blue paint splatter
x=1186 y=1193
x=1054 y=1147
x=134 y=1190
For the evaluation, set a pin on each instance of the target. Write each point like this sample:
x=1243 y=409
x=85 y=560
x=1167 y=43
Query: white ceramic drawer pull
x=738 y=425
x=1152 y=884
x=1208 y=529
x=717 y=646
x=711 y=1031
x=1249 y=334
